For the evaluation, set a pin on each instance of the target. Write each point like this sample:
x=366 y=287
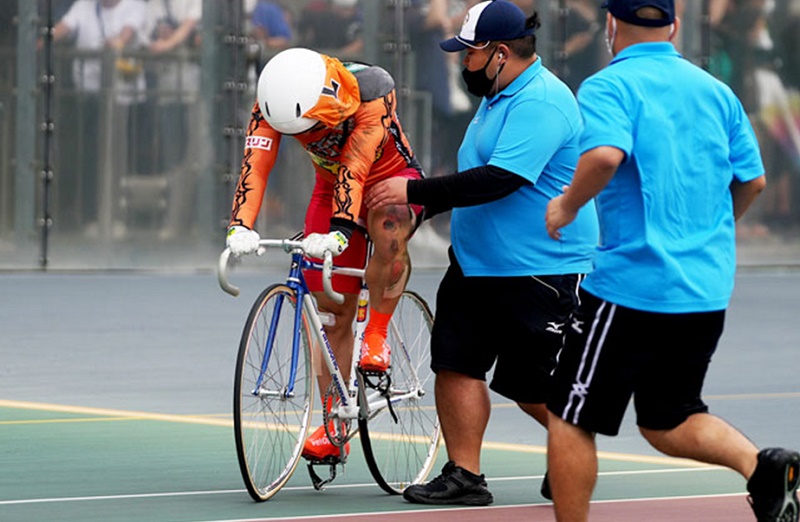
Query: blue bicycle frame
x=296 y=281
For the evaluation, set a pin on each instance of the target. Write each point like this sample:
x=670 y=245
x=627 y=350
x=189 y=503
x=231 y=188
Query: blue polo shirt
x=531 y=128
x=666 y=218
x=272 y=18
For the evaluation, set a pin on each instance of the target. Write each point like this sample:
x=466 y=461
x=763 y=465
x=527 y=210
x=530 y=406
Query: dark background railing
x=140 y=175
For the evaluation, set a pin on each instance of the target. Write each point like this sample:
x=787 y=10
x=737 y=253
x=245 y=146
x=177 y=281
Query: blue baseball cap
x=490 y=21
x=625 y=10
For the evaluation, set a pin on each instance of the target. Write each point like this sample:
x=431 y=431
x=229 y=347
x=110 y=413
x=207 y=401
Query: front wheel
x=273 y=391
x=400 y=442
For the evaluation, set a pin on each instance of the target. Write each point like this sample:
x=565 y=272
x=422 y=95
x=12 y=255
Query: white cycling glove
x=241 y=240
x=315 y=245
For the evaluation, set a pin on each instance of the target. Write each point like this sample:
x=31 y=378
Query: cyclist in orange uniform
x=344 y=116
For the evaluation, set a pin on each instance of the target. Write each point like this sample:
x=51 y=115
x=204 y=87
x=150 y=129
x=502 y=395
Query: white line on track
x=333 y=486
x=379 y=514
x=687 y=465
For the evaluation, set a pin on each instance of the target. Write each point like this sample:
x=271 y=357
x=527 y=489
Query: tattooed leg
x=390 y=266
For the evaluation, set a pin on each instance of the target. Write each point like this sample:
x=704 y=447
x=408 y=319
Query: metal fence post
x=48 y=126
x=25 y=138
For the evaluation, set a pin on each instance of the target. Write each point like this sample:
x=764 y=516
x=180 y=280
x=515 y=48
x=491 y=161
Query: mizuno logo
x=577 y=325
x=554 y=327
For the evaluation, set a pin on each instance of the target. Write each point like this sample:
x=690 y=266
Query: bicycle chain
x=341 y=428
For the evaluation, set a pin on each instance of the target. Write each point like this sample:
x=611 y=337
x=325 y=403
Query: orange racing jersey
x=358 y=143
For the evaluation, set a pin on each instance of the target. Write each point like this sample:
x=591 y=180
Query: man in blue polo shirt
x=509 y=291
x=672 y=160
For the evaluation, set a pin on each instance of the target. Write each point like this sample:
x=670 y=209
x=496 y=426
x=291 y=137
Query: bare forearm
x=120 y=41
x=595 y=169
x=60 y=31
x=180 y=35
x=745 y=193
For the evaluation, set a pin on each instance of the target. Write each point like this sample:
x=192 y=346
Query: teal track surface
x=116 y=396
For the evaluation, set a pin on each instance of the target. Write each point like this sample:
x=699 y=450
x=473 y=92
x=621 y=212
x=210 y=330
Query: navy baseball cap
x=489 y=21
x=625 y=10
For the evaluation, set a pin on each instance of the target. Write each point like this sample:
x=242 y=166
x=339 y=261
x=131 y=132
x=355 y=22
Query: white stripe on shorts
x=591 y=351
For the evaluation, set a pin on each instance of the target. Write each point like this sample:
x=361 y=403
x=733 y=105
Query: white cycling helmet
x=289 y=86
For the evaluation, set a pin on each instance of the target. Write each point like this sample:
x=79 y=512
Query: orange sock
x=378 y=324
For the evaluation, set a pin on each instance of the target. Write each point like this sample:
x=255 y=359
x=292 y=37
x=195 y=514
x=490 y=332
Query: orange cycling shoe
x=318 y=447
x=375 y=354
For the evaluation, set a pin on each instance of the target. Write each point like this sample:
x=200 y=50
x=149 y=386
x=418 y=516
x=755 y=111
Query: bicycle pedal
x=318 y=482
x=382 y=378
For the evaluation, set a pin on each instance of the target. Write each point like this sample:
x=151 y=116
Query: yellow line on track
x=61 y=421
x=211 y=421
x=603 y=455
x=751 y=396
x=121 y=414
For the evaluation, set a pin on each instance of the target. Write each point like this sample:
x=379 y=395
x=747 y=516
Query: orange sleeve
x=363 y=148
x=260 y=151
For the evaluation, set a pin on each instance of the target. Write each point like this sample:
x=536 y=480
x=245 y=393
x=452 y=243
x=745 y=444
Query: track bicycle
x=393 y=414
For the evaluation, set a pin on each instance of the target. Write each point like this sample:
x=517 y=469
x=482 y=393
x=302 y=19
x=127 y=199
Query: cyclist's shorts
x=614 y=352
x=318 y=220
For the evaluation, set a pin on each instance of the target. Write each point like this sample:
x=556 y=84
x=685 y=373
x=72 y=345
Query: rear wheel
x=400 y=442
x=273 y=392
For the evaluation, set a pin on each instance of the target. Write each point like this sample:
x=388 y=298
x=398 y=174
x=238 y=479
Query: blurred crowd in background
x=149 y=98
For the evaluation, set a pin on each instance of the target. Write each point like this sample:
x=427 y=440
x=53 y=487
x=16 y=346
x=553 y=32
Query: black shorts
x=613 y=352
x=516 y=322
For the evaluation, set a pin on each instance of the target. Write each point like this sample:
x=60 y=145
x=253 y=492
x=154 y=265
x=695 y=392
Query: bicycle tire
x=402 y=453
x=270 y=429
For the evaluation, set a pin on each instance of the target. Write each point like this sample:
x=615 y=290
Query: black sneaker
x=773 y=485
x=454 y=486
x=545 y=489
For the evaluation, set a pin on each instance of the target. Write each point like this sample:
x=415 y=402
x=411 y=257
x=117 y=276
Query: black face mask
x=478 y=84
